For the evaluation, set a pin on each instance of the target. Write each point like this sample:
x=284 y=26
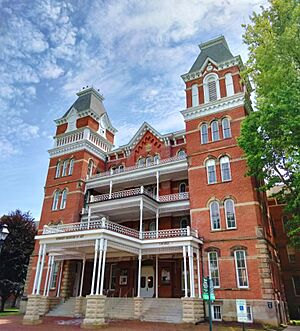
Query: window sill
x=223 y=230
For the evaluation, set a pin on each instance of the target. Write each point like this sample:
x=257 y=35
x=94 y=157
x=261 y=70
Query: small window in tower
x=212 y=89
x=57 y=171
x=229 y=84
x=195 y=95
x=63 y=199
x=90 y=168
x=64 y=168
x=55 y=200
x=211 y=171
x=71 y=167
x=225 y=169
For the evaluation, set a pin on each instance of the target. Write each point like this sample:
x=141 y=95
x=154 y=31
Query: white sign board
x=241 y=310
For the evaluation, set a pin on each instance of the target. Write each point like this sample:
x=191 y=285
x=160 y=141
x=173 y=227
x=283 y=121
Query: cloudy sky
x=133 y=51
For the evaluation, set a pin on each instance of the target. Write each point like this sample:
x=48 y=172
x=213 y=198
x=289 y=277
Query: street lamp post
x=3 y=234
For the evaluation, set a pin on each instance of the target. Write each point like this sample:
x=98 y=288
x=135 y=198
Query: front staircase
x=162 y=310
x=64 y=309
x=119 y=308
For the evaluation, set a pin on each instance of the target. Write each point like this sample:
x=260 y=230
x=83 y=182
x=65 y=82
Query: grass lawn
x=9 y=312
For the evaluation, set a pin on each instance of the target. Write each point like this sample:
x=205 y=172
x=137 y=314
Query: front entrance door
x=147 y=282
x=77 y=273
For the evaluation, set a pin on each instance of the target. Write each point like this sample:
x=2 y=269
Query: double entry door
x=147 y=282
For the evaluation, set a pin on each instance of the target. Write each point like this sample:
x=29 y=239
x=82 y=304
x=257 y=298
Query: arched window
x=181 y=153
x=55 y=200
x=215 y=215
x=148 y=161
x=211 y=171
x=183 y=223
x=63 y=199
x=241 y=269
x=141 y=162
x=156 y=159
x=152 y=226
x=71 y=167
x=213 y=267
x=121 y=168
x=225 y=168
x=182 y=188
x=230 y=214
x=57 y=171
x=195 y=95
x=226 y=128
x=112 y=170
x=211 y=88
x=215 y=135
x=90 y=168
x=204 y=133
x=229 y=85
x=64 y=168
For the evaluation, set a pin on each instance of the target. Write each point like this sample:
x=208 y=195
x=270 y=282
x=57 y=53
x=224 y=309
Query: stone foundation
x=44 y=305
x=80 y=306
x=138 y=306
x=192 y=310
x=32 y=315
x=95 y=312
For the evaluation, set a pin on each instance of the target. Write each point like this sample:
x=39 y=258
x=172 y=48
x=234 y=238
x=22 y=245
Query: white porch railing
x=139 y=191
x=148 y=165
x=118 y=228
x=80 y=135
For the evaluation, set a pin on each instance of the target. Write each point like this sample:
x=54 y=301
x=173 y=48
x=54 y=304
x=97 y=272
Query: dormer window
x=156 y=159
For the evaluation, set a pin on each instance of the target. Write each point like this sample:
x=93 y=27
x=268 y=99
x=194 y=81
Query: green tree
x=270 y=136
x=15 y=254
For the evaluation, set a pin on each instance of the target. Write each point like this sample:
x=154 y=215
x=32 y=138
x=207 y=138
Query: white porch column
x=60 y=277
x=103 y=266
x=191 y=270
x=95 y=265
x=99 y=264
x=157 y=185
x=139 y=275
x=82 y=277
x=198 y=273
x=110 y=188
x=156 y=276
x=47 y=275
x=185 y=272
x=41 y=269
x=89 y=216
x=157 y=216
x=50 y=275
x=141 y=217
x=37 y=270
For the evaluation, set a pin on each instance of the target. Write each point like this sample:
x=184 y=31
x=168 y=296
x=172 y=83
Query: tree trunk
x=13 y=305
x=3 y=300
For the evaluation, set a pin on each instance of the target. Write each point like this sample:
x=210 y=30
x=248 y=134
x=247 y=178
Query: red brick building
x=137 y=227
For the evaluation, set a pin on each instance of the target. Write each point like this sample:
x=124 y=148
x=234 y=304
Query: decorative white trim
x=214 y=107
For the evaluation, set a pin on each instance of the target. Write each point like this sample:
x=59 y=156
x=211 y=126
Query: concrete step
x=119 y=308
x=64 y=309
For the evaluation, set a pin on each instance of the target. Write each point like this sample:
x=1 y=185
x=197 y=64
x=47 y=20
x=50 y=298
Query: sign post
x=241 y=309
x=208 y=295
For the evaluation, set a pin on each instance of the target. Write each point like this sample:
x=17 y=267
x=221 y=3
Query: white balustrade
x=174 y=197
x=118 y=228
x=148 y=165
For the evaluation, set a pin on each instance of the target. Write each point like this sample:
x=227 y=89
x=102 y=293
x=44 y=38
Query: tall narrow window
x=90 y=168
x=53 y=277
x=212 y=89
x=64 y=168
x=215 y=135
x=63 y=199
x=156 y=159
x=55 y=200
x=230 y=214
x=225 y=168
x=213 y=267
x=204 y=134
x=57 y=171
x=121 y=168
x=195 y=95
x=182 y=188
x=71 y=167
x=141 y=162
x=226 y=128
x=241 y=269
x=148 y=161
x=183 y=223
x=211 y=171
x=215 y=215
x=229 y=85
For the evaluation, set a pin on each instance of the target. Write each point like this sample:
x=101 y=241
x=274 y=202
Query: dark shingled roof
x=216 y=49
x=82 y=103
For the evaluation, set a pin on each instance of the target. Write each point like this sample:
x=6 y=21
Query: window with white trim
x=212 y=88
x=225 y=168
x=55 y=200
x=215 y=134
x=57 y=171
x=53 y=280
x=213 y=268
x=195 y=95
x=204 y=133
x=226 y=128
x=156 y=159
x=63 y=201
x=230 y=214
x=90 y=168
x=71 y=167
x=148 y=161
x=141 y=162
x=183 y=223
x=64 y=168
x=215 y=220
x=229 y=84
x=216 y=312
x=211 y=171
x=181 y=153
x=241 y=269
x=296 y=284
